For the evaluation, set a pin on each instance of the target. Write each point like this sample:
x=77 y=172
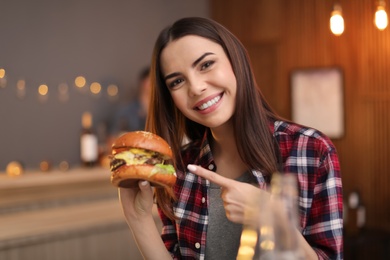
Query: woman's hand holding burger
x=140 y=160
x=141 y=155
x=137 y=202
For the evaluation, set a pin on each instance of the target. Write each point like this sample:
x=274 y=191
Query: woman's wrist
x=140 y=221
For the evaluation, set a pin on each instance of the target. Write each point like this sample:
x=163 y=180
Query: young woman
x=225 y=138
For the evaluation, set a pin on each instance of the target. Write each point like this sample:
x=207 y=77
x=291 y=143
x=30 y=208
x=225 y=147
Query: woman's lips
x=209 y=102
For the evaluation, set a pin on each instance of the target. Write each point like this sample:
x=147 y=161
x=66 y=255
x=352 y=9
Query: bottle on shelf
x=89 y=150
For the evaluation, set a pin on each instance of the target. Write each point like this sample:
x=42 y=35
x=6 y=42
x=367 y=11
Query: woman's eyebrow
x=172 y=75
x=201 y=58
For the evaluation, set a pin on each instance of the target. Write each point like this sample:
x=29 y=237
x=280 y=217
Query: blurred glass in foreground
x=274 y=236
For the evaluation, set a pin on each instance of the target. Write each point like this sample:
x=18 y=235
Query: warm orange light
x=337 y=20
x=14 y=169
x=43 y=90
x=21 y=84
x=95 y=88
x=2 y=73
x=381 y=19
x=80 y=81
x=3 y=79
x=112 y=90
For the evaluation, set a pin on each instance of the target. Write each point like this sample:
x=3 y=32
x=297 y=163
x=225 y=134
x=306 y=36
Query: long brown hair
x=254 y=139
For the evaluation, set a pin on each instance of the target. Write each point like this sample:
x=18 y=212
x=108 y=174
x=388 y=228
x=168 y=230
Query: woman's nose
x=196 y=87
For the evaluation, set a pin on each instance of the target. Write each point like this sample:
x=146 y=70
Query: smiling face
x=200 y=79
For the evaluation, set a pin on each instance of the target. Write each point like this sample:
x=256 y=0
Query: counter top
x=53 y=177
x=39 y=190
x=39 y=207
x=24 y=228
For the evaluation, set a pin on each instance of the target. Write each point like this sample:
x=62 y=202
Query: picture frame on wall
x=317 y=99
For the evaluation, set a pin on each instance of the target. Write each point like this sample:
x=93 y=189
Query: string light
x=381 y=20
x=3 y=79
x=112 y=90
x=95 y=88
x=80 y=81
x=337 y=20
x=21 y=88
x=2 y=73
x=43 y=90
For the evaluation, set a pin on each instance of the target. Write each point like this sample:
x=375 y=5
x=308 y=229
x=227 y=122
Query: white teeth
x=209 y=103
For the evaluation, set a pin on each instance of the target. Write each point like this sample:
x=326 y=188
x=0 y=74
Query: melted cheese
x=142 y=156
x=129 y=156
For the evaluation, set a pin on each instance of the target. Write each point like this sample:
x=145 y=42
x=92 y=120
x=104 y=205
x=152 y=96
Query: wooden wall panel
x=298 y=36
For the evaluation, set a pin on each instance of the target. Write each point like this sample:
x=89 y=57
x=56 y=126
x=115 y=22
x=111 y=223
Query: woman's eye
x=207 y=64
x=175 y=83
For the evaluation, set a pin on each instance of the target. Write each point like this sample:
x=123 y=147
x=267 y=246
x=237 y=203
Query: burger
x=141 y=155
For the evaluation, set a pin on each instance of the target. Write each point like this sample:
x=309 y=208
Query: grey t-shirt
x=223 y=236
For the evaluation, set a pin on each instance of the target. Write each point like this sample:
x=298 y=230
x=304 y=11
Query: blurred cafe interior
x=60 y=60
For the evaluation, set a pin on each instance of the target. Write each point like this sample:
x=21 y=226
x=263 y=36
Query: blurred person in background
x=132 y=115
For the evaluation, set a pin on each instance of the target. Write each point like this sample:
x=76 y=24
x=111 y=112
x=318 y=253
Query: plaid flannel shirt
x=305 y=152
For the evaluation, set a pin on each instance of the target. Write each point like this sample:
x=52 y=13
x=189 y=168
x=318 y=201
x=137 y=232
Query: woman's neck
x=223 y=141
x=225 y=153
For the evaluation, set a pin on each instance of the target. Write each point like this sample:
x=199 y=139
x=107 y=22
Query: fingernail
x=191 y=167
x=144 y=183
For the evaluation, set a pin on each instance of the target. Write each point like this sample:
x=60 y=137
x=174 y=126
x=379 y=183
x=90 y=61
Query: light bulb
x=95 y=87
x=43 y=90
x=2 y=73
x=80 y=81
x=381 y=20
x=337 y=21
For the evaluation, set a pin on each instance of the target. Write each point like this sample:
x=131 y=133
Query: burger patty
x=129 y=158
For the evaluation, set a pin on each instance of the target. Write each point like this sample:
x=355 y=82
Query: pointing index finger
x=209 y=175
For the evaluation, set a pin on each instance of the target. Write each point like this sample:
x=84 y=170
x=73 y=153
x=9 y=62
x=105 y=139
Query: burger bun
x=128 y=177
